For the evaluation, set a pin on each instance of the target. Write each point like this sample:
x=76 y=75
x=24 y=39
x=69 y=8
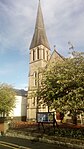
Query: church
x=40 y=56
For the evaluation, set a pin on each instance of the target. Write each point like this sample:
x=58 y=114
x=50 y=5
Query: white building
x=20 y=110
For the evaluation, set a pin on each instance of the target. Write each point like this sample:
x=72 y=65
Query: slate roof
x=58 y=54
x=20 y=92
x=39 y=37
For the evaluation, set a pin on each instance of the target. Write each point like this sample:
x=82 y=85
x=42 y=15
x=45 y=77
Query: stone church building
x=40 y=56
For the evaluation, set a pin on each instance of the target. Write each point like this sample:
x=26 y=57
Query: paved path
x=28 y=144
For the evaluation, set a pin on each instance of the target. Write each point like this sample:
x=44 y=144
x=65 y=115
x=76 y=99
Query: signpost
x=46 y=118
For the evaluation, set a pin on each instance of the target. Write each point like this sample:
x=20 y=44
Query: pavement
x=15 y=143
x=16 y=138
x=19 y=140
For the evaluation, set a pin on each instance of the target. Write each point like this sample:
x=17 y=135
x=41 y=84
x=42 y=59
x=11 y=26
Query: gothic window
x=47 y=55
x=43 y=53
x=38 y=79
x=38 y=53
x=34 y=101
x=35 y=78
x=33 y=55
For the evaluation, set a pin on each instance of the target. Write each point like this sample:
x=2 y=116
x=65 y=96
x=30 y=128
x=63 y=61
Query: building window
x=33 y=55
x=43 y=53
x=34 y=101
x=47 y=55
x=35 y=78
x=38 y=53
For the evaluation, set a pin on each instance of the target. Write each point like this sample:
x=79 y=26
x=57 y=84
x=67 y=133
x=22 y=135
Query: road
x=26 y=144
x=4 y=147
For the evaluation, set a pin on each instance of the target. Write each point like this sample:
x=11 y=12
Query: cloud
x=14 y=27
x=63 y=19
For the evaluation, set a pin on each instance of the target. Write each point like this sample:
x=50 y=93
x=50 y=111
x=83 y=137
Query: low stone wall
x=19 y=118
x=59 y=141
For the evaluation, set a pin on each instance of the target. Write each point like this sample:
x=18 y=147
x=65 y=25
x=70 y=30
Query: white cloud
x=64 y=21
x=15 y=25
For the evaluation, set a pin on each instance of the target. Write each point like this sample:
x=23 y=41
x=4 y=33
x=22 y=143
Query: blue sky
x=64 y=21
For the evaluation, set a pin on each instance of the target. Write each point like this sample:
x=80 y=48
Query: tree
x=62 y=86
x=7 y=99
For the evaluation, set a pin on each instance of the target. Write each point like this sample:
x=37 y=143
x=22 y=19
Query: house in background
x=20 y=110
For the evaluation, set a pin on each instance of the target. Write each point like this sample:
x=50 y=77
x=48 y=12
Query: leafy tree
x=7 y=99
x=62 y=86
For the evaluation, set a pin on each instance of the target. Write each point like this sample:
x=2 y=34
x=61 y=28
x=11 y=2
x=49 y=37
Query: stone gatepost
x=4 y=125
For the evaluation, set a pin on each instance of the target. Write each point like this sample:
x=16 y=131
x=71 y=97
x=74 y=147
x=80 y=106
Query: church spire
x=39 y=37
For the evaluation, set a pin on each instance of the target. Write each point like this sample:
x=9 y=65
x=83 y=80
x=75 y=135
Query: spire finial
x=54 y=47
x=39 y=1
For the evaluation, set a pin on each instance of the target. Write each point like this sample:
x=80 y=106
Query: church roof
x=39 y=37
x=55 y=57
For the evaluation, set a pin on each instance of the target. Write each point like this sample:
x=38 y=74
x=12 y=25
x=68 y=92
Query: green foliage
x=70 y=133
x=62 y=86
x=7 y=98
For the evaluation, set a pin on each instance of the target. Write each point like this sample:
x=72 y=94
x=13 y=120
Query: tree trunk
x=74 y=118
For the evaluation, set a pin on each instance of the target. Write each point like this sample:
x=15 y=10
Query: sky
x=64 y=22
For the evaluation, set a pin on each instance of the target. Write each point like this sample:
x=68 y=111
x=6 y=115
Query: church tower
x=39 y=56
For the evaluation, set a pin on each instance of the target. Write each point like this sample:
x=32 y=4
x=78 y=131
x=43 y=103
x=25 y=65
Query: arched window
x=38 y=53
x=35 y=78
x=33 y=55
x=47 y=55
x=43 y=53
x=34 y=101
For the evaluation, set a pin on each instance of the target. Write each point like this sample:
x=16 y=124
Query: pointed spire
x=39 y=37
x=39 y=20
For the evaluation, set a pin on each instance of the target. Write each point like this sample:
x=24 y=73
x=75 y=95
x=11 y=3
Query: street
x=5 y=147
x=2 y=147
x=27 y=144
